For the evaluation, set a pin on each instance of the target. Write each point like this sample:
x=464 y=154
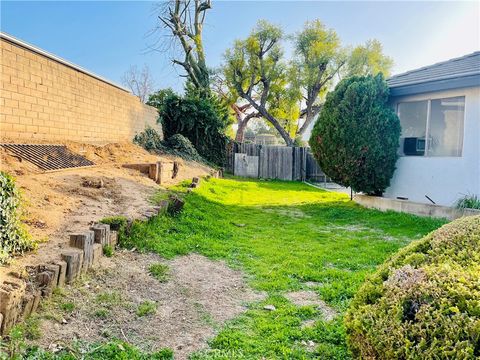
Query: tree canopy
x=255 y=71
x=289 y=93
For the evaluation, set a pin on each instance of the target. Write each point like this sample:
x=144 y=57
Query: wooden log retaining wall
x=22 y=292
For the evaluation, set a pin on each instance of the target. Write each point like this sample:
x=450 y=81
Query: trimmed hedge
x=14 y=239
x=423 y=303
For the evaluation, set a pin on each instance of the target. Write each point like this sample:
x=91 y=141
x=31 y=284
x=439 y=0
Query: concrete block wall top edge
x=42 y=97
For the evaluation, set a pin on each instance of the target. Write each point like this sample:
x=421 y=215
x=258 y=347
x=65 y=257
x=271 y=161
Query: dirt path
x=198 y=298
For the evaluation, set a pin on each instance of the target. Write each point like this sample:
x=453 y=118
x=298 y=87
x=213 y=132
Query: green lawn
x=282 y=235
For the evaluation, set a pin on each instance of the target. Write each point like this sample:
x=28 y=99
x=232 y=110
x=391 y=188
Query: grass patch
x=108 y=250
x=159 y=271
x=468 y=202
x=290 y=234
x=31 y=328
x=102 y=313
x=67 y=306
x=96 y=351
x=109 y=299
x=146 y=308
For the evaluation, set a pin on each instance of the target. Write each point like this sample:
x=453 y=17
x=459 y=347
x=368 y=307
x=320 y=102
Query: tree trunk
x=265 y=114
x=310 y=115
x=240 y=135
x=242 y=124
x=283 y=133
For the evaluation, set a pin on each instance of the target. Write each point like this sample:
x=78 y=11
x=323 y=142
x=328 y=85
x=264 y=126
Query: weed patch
x=109 y=299
x=146 y=308
x=108 y=250
x=159 y=272
x=102 y=313
x=67 y=306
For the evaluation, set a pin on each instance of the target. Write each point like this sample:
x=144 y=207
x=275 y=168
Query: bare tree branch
x=184 y=19
x=140 y=82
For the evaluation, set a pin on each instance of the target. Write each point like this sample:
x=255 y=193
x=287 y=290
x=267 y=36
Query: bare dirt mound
x=199 y=296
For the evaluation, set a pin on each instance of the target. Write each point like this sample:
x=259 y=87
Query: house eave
x=438 y=85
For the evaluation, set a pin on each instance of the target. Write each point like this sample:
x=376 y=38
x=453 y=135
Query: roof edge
x=435 y=64
x=25 y=45
x=442 y=78
x=436 y=85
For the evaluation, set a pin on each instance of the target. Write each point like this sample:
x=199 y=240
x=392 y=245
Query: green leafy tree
x=255 y=72
x=356 y=136
x=368 y=59
x=290 y=95
x=157 y=99
x=319 y=57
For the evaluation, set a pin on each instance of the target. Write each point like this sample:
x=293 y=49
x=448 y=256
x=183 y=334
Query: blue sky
x=107 y=37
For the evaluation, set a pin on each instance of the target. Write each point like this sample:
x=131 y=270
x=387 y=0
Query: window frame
x=427 y=123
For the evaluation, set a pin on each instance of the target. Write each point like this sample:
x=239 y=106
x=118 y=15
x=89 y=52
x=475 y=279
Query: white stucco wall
x=443 y=179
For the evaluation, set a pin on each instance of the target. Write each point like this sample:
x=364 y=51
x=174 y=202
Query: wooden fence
x=273 y=162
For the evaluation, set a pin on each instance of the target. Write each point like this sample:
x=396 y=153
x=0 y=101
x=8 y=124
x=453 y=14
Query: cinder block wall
x=44 y=99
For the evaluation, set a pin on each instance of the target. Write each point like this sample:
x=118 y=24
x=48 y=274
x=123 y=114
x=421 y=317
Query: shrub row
x=202 y=120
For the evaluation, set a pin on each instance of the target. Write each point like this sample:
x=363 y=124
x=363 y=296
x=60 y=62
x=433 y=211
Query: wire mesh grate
x=48 y=157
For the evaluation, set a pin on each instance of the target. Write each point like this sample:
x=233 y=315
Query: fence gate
x=273 y=162
x=245 y=165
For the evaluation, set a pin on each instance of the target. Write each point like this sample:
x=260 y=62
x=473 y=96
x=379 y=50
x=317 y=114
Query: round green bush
x=356 y=137
x=423 y=303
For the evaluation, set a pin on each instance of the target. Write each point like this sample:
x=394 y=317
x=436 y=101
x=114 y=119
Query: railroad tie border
x=21 y=294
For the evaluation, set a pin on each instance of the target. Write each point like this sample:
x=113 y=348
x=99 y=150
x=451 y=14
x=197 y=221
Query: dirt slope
x=57 y=203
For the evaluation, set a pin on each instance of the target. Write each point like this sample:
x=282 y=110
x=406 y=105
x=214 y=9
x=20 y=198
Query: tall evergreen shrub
x=356 y=137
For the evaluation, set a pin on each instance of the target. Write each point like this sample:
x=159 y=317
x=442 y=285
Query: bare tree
x=139 y=82
x=184 y=19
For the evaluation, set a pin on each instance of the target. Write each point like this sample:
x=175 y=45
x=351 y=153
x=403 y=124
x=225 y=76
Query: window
x=432 y=127
x=413 y=119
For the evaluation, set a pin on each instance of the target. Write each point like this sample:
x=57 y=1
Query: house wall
x=46 y=98
x=443 y=179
